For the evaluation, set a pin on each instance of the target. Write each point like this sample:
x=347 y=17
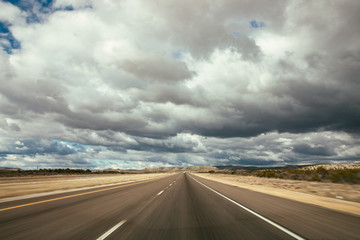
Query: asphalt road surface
x=180 y=206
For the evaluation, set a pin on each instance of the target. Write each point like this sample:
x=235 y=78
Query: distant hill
x=179 y=169
x=254 y=168
x=251 y=168
x=215 y=168
x=230 y=168
x=334 y=166
x=8 y=169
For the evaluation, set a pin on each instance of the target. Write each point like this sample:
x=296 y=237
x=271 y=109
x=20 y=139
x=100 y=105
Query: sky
x=132 y=84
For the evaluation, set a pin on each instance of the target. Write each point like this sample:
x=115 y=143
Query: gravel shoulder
x=340 y=197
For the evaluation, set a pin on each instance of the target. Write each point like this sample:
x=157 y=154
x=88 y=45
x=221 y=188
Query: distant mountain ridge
x=9 y=169
x=214 y=168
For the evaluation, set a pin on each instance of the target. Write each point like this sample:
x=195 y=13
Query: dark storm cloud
x=176 y=94
x=316 y=150
x=157 y=69
x=9 y=126
x=315 y=106
x=171 y=145
x=252 y=162
x=181 y=82
x=290 y=105
x=181 y=143
x=85 y=120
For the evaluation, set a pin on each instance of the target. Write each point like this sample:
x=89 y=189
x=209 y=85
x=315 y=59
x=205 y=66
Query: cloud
x=158 y=82
x=40 y=147
x=157 y=69
x=9 y=13
x=313 y=150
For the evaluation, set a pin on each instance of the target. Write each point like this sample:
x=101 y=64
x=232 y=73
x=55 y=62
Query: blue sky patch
x=68 y=8
x=177 y=54
x=36 y=13
x=32 y=8
x=26 y=5
x=10 y=42
x=4 y=27
x=257 y=24
x=77 y=146
x=36 y=9
x=237 y=34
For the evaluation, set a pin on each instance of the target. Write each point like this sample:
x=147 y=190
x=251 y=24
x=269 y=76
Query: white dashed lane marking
x=111 y=230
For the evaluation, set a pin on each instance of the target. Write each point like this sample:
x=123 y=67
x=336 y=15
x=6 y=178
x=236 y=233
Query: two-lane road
x=180 y=206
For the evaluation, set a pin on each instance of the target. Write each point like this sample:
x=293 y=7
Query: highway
x=179 y=206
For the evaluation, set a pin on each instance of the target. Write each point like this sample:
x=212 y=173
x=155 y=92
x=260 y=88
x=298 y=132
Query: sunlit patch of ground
x=341 y=197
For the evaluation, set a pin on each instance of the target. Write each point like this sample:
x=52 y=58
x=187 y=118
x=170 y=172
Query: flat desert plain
x=341 y=197
x=19 y=186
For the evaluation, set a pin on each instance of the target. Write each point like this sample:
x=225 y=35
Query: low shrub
x=320 y=174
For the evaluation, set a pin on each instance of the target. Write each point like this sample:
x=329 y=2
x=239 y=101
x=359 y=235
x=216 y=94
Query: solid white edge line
x=294 y=235
x=160 y=192
x=105 y=235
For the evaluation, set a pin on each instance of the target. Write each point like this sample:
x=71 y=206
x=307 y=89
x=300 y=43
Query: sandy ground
x=11 y=187
x=341 y=197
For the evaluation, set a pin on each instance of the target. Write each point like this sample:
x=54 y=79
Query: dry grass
x=313 y=173
x=342 y=197
x=319 y=174
x=10 y=187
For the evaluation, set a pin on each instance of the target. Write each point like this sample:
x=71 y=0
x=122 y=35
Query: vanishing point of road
x=178 y=206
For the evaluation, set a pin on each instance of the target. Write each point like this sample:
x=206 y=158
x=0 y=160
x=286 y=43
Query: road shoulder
x=331 y=203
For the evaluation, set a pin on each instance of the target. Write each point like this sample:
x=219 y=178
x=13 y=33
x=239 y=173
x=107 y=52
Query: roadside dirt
x=11 y=187
x=341 y=197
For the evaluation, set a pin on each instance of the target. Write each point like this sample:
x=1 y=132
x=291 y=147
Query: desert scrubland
x=332 y=186
x=18 y=186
